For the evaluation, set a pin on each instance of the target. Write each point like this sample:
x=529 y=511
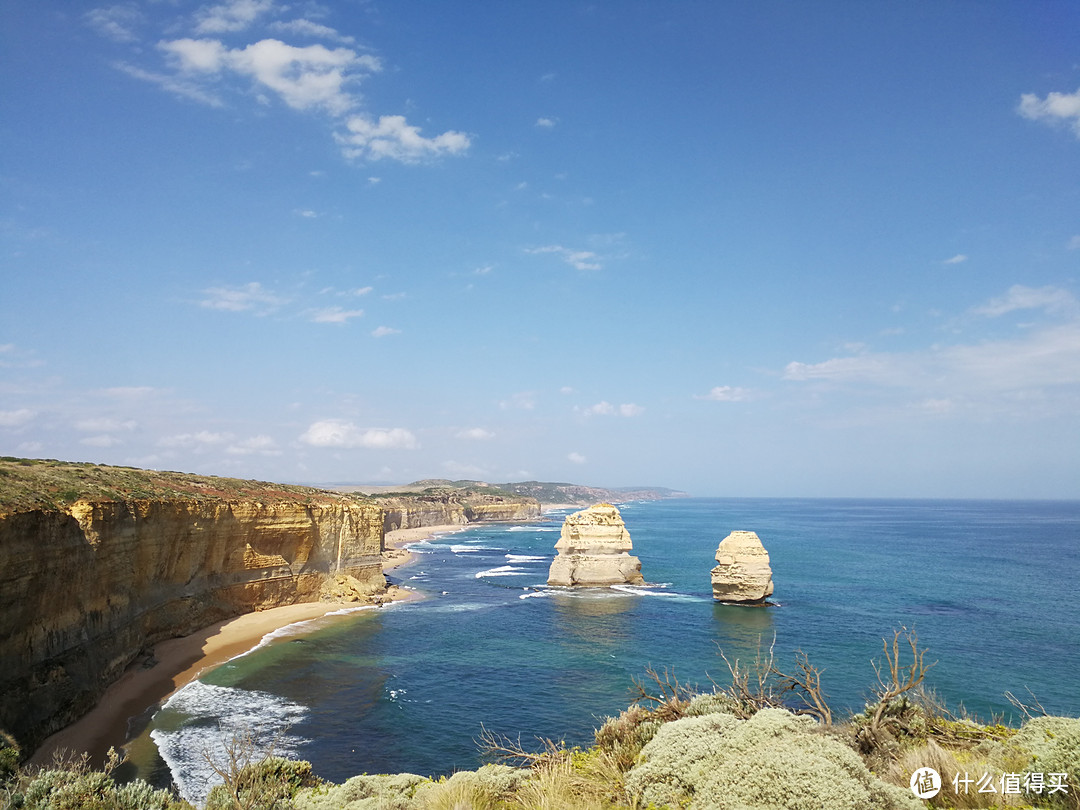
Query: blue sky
x=752 y=248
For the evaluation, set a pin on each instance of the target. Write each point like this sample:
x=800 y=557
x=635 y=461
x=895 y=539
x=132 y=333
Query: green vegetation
x=586 y=496
x=28 y=484
x=74 y=785
x=765 y=741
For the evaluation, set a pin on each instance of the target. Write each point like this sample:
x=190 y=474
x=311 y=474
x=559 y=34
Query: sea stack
x=594 y=550
x=742 y=573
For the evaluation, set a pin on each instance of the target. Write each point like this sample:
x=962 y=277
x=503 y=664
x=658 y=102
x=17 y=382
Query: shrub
x=270 y=784
x=80 y=789
x=487 y=788
x=773 y=760
x=1054 y=746
x=624 y=736
x=675 y=761
x=379 y=792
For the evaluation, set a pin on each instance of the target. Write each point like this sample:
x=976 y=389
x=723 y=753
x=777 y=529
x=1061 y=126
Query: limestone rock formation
x=594 y=549
x=87 y=588
x=743 y=573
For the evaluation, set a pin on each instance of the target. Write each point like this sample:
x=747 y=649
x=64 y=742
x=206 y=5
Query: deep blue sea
x=991 y=588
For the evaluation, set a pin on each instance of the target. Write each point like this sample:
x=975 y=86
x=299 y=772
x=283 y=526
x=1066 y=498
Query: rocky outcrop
x=594 y=549
x=85 y=588
x=742 y=573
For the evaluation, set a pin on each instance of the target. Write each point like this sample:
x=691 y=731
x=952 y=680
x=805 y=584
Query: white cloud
x=204 y=438
x=879 y=368
x=234 y=15
x=1053 y=300
x=578 y=259
x=1056 y=108
x=262 y=445
x=546 y=123
x=104 y=424
x=524 y=400
x=304 y=27
x=335 y=315
x=344 y=434
x=1039 y=366
x=605 y=408
x=16 y=418
x=129 y=392
x=959 y=258
x=195 y=55
x=178 y=86
x=307 y=213
x=246 y=298
x=394 y=138
x=312 y=76
x=726 y=393
x=116 y=22
x=384 y=331
x=577 y=458
x=475 y=434
x=103 y=440
x=602 y=408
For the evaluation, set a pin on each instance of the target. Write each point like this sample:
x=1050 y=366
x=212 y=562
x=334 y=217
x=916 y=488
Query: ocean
x=990 y=587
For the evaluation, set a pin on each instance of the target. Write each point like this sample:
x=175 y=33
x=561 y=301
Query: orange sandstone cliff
x=88 y=586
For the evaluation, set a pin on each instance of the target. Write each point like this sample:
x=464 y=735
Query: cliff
x=594 y=549
x=451 y=505
x=97 y=564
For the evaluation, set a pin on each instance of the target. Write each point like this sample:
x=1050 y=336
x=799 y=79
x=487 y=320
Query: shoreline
x=178 y=662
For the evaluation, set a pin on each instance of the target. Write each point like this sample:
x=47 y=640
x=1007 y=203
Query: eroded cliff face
x=451 y=509
x=86 y=589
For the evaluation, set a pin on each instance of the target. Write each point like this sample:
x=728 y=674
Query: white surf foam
x=205 y=719
x=463 y=549
x=644 y=590
x=524 y=558
x=504 y=571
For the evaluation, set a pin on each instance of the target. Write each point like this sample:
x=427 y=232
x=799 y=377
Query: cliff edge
x=97 y=564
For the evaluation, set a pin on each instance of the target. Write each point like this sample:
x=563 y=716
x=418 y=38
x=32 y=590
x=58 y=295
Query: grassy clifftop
x=27 y=484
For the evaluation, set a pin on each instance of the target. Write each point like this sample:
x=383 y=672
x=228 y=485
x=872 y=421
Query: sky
x=804 y=249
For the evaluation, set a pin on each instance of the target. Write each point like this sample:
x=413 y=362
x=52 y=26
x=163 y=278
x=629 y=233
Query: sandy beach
x=177 y=662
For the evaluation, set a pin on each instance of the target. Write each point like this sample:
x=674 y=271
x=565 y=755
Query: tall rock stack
x=594 y=549
x=743 y=573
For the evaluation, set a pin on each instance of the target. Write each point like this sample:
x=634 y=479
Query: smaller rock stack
x=594 y=549
x=743 y=573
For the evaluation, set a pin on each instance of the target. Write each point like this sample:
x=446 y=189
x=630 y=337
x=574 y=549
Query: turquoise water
x=990 y=587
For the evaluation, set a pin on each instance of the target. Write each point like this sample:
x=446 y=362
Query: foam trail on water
x=201 y=719
x=523 y=558
x=504 y=571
